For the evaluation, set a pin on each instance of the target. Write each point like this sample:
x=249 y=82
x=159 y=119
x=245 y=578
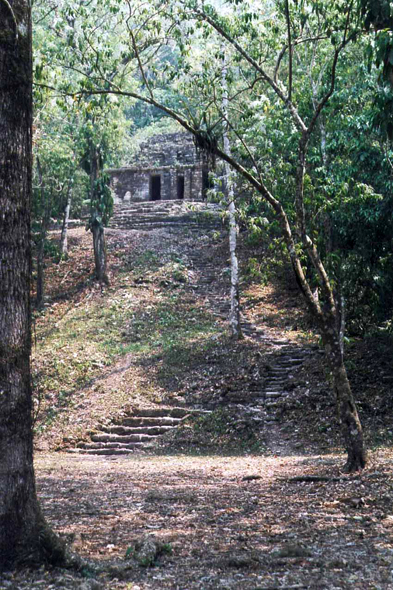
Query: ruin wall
x=167 y=167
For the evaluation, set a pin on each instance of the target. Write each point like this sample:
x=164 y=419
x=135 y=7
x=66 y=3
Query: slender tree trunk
x=41 y=243
x=99 y=253
x=341 y=319
x=24 y=536
x=40 y=268
x=234 y=315
x=64 y=229
x=97 y=228
x=329 y=320
x=348 y=416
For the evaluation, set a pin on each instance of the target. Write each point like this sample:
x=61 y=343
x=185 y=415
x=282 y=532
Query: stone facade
x=167 y=167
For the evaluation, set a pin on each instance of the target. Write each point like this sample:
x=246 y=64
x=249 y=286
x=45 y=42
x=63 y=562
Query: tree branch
x=135 y=48
x=265 y=76
x=295 y=42
x=329 y=93
x=251 y=156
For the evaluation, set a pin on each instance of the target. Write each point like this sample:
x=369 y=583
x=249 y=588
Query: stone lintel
x=150 y=168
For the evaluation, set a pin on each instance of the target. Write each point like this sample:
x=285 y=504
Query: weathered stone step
x=272 y=404
x=158 y=225
x=156 y=217
x=118 y=438
x=164 y=215
x=207 y=280
x=105 y=451
x=248 y=329
x=137 y=429
x=162 y=412
x=110 y=445
x=168 y=203
x=290 y=363
x=167 y=211
x=153 y=421
x=128 y=430
x=294 y=351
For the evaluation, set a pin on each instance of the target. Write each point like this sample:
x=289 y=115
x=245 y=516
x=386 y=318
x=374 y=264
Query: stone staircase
x=286 y=358
x=137 y=429
x=149 y=215
x=285 y=363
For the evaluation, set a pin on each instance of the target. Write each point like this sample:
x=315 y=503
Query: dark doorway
x=207 y=183
x=180 y=187
x=155 y=188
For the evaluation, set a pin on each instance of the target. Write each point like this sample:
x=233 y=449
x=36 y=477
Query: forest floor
x=216 y=506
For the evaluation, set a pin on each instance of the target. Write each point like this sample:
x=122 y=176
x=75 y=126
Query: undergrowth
x=219 y=431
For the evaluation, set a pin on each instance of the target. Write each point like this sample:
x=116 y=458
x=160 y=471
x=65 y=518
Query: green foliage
x=101 y=202
x=52 y=250
x=254 y=270
x=129 y=552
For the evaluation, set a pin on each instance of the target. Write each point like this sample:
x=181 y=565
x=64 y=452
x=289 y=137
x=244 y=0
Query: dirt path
x=228 y=522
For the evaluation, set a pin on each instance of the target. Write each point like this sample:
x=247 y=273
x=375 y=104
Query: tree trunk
x=234 y=317
x=24 y=536
x=330 y=321
x=41 y=243
x=96 y=225
x=234 y=314
x=348 y=416
x=40 y=268
x=64 y=229
x=99 y=253
x=330 y=330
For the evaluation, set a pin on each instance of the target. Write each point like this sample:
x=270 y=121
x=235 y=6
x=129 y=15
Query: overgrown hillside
x=158 y=336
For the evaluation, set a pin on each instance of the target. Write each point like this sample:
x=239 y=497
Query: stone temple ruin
x=167 y=167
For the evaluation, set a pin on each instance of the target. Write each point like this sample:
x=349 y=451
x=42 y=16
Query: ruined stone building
x=167 y=167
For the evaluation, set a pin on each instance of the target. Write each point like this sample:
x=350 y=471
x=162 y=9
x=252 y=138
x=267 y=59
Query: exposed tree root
x=311 y=478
